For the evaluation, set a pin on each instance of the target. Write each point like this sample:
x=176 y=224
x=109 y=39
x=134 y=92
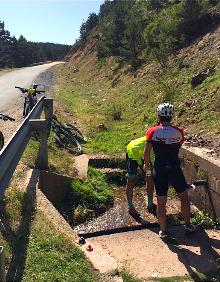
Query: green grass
x=51 y=257
x=30 y=241
x=92 y=191
x=211 y=276
x=16 y=203
x=100 y=142
x=30 y=154
x=59 y=160
x=127 y=277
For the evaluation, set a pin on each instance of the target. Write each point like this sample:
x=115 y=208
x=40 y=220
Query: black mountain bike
x=67 y=136
x=4 y=117
x=30 y=100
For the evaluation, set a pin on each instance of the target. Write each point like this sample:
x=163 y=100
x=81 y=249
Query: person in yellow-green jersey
x=135 y=159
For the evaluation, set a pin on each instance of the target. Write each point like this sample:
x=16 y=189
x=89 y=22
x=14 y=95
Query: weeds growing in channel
x=91 y=196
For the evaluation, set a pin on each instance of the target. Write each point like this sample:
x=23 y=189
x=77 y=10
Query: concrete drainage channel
x=114 y=240
x=115 y=219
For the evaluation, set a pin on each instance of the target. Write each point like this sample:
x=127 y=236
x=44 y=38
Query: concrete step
x=108 y=161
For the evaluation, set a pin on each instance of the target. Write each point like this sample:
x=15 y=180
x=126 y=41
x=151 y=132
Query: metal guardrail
x=13 y=150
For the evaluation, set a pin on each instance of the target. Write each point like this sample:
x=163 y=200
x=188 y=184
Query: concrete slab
x=101 y=260
x=146 y=256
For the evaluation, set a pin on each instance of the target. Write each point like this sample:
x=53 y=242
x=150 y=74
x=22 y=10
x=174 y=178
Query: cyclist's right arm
x=147 y=150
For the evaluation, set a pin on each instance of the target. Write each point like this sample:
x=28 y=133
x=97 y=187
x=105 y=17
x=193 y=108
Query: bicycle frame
x=4 y=118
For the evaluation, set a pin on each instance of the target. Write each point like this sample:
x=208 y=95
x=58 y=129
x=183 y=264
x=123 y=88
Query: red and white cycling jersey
x=166 y=134
x=166 y=141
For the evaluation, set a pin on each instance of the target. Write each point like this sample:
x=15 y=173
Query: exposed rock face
x=199 y=78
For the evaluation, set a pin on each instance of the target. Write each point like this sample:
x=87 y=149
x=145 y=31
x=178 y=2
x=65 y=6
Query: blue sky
x=47 y=21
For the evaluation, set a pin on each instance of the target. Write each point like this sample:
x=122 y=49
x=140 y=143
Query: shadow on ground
x=18 y=238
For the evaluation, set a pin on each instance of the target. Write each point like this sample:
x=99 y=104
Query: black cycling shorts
x=132 y=167
x=165 y=176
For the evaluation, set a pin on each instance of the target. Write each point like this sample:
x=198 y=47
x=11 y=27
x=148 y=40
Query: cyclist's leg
x=179 y=183
x=161 y=212
x=150 y=190
x=132 y=167
x=161 y=186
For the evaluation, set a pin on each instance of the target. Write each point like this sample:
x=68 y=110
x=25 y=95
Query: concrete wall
x=54 y=186
x=197 y=166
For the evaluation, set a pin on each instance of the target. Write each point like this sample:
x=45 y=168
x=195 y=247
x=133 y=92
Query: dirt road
x=11 y=98
x=22 y=77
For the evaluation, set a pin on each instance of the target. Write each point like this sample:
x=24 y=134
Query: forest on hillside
x=143 y=30
x=21 y=53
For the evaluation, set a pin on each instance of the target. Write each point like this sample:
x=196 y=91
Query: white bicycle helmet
x=165 y=110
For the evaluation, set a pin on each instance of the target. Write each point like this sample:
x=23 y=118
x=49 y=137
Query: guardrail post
x=48 y=108
x=2 y=265
x=40 y=125
x=43 y=151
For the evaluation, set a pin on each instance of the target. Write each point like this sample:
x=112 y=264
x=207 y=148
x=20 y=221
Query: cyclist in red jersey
x=166 y=140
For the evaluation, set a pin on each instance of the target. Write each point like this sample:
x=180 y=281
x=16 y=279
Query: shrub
x=116 y=112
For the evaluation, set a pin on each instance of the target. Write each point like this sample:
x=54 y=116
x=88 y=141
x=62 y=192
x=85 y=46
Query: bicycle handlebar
x=23 y=90
x=5 y=117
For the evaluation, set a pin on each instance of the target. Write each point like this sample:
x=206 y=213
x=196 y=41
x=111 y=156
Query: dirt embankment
x=204 y=140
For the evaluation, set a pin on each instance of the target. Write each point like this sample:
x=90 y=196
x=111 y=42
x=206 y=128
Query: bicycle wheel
x=1 y=140
x=73 y=146
x=68 y=143
x=77 y=133
x=66 y=140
